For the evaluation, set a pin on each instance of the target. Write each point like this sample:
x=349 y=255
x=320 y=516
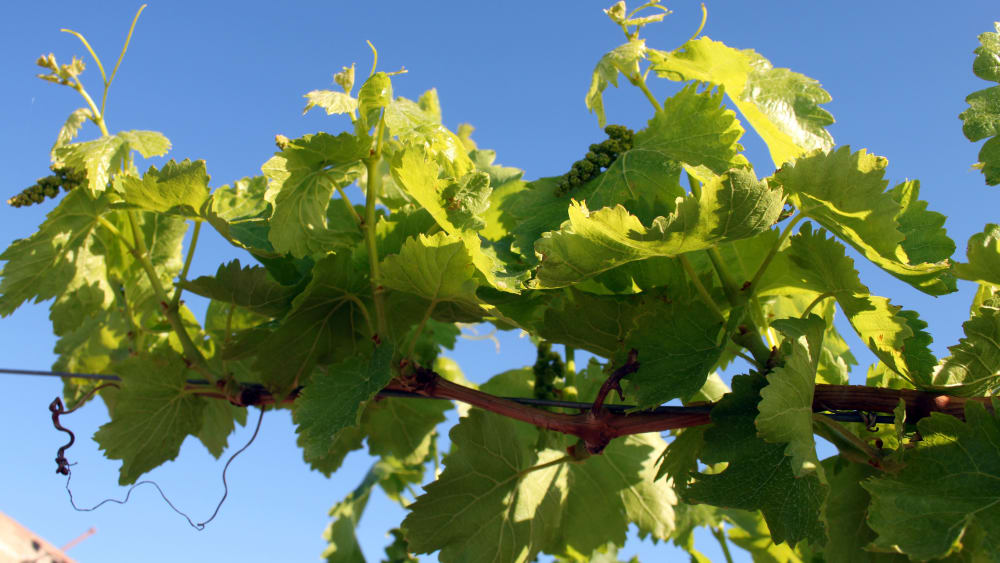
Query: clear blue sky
x=221 y=79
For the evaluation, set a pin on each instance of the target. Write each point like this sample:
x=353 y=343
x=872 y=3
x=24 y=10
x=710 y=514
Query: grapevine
x=675 y=260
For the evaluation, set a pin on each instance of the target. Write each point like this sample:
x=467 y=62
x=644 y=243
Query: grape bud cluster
x=598 y=158
x=67 y=178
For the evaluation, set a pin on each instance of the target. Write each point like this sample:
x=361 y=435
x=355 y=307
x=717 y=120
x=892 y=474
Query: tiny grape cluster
x=547 y=369
x=48 y=186
x=598 y=158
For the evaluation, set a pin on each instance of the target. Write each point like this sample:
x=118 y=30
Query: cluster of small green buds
x=598 y=158
x=547 y=369
x=67 y=178
x=60 y=74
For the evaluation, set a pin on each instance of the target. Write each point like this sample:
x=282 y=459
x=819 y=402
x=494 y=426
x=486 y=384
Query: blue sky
x=221 y=79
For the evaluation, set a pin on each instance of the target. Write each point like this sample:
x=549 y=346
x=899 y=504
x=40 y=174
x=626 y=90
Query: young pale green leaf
x=180 y=187
x=624 y=59
x=468 y=198
x=487 y=505
x=696 y=129
x=782 y=106
x=240 y=214
x=71 y=128
x=759 y=476
x=332 y=101
x=152 y=415
x=894 y=335
x=301 y=179
x=375 y=94
x=409 y=122
x=43 y=265
x=845 y=192
x=786 y=405
x=678 y=343
x=437 y=268
x=974 y=364
x=248 y=286
x=328 y=323
x=948 y=488
x=983 y=252
x=332 y=403
x=732 y=206
x=100 y=157
x=982 y=119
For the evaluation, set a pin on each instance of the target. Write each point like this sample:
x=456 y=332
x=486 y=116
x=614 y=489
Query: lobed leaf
x=180 y=187
x=248 y=286
x=624 y=59
x=974 y=364
x=982 y=119
x=100 y=157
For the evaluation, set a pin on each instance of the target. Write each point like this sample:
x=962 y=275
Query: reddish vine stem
x=614 y=381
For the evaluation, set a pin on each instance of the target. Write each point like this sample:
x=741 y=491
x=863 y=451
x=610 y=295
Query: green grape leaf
x=330 y=100
x=100 y=157
x=248 y=286
x=750 y=532
x=947 y=488
x=895 y=336
x=71 y=128
x=620 y=482
x=437 y=268
x=375 y=94
x=846 y=511
x=982 y=119
x=301 y=179
x=218 y=423
x=696 y=129
x=152 y=415
x=782 y=106
x=328 y=322
x=402 y=428
x=786 y=405
x=43 y=265
x=730 y=207
x=974 y=364
x=845 y=193
x=596 y=323
x=678 y=343
x=329 y=459
x=413 y=125
x=983 y=252
x=240 y=214
x=332 y=403
x=624 y=59
x=680 y=458
x=182 y=187
x=486 y=505
x=468 y=199
x=759 y=475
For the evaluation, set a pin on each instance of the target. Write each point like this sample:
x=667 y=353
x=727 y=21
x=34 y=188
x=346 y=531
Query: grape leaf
x=102 y=156
x=947 y=488
x=332 y=403
x=782 y=106
x=846 y=510
x=240 y=214
x=326 y=324
x=896 y=336
x=486 y=506
x=750 y=532
x=375 y=94
x=974 y=364
x=678 y=343
x=624 y=59
x=402 y=428
x=71 y=128
x=759 y=475
x=695 y=129
x=983 y=252
x=182 y=187
x=152 y=415
x=786 y=405
x=332 y=101
x=43 y=265
x=982 y=119
x=248 y=286
x=301 y=180
x=732 y=206
x=415 y=126
x=437 y=268
x=596 y=323
x=844 y=193
x=217 y=425
x=680 y=457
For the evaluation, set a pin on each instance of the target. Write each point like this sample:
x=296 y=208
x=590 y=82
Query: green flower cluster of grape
x=67 y=178
x=598 y=158
x=548 y=368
